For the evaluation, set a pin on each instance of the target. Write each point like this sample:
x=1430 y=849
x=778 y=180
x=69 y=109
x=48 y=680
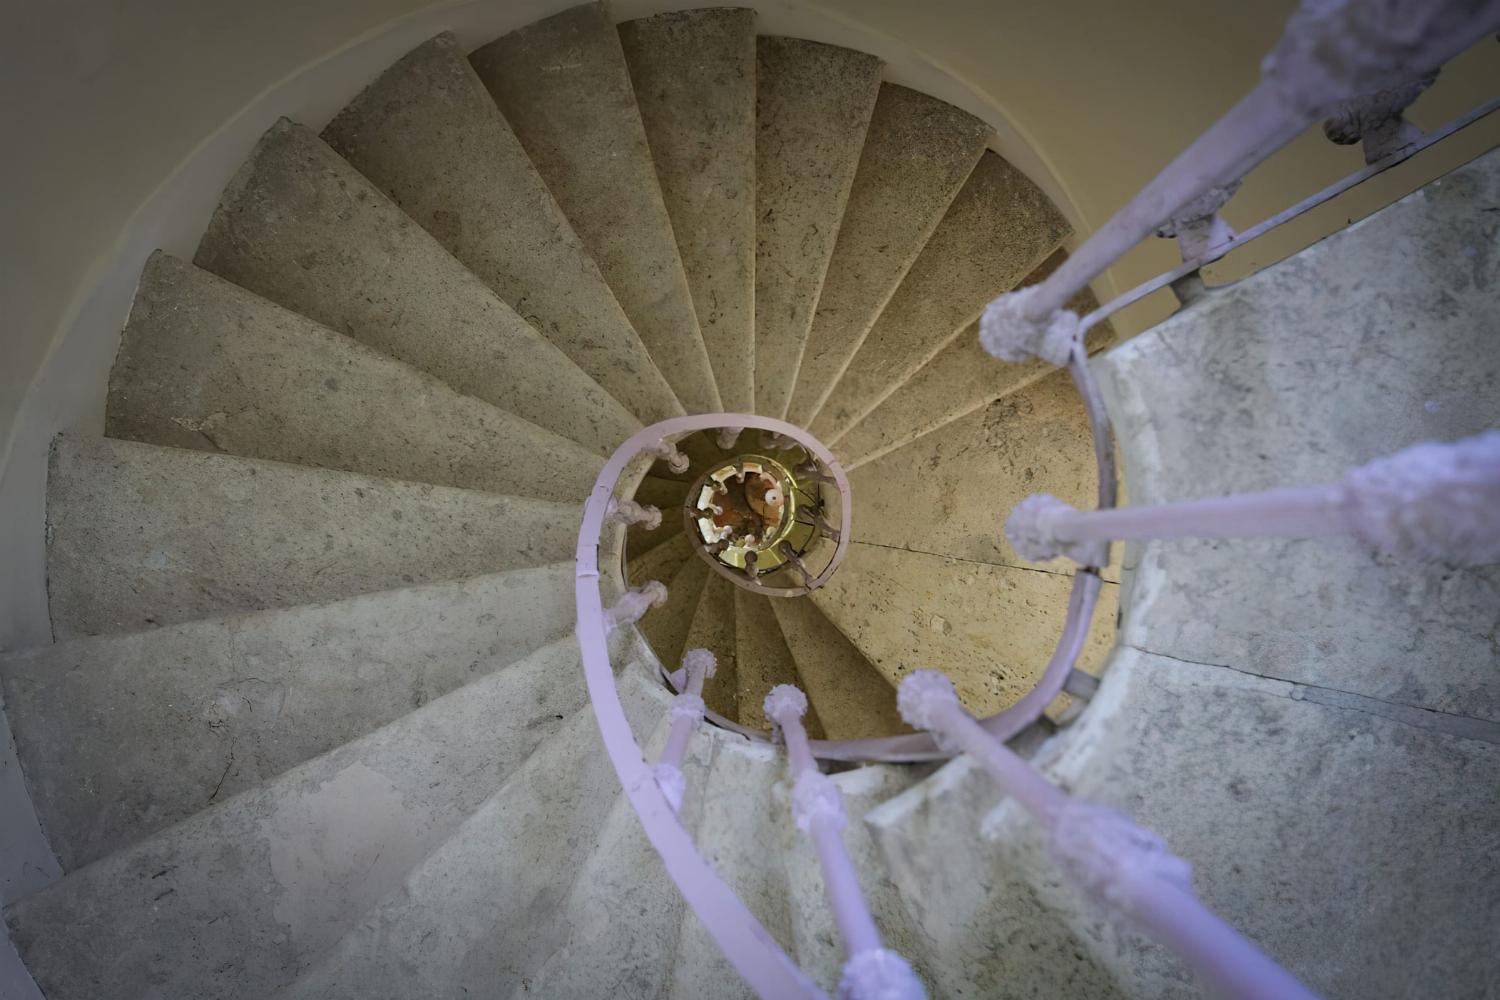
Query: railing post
x=872 y=972
x=1376 y=121
x=633 y=604
x=1430 y=501
x=1198 y=228
x=687 y=712
x=629 y=512
x=1125 y=867
x=727 y=436
x=667 y=452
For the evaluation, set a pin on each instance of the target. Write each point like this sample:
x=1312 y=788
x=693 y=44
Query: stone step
x=428 y=135
x=917 y=154
x=141 y=536
x=762 y=660
x=741 y=835
x=998 y=229
x=124 y=735
x=660 y=562
x=992 y=628
x=1297 y=386
x=960 y=379
x=693 y=73
x=206 y=365
x=819 y=948
x=813 y=105
x=666 y=628
x=303 y=228
x=666 y=495
x=235 y=901
x=966 y=477
x=487 y=906
x=713 y=629
x=854 y=700
x=563 y=85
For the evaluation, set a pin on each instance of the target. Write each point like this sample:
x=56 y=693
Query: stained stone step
x=660 y=562
x=124 y=735
x=992 y=628
x=666 y=628
x=917 y=154
x=762 y=660
x=141 y=536
x=960 y=379
x=813 y=104
x=237 y=900
x=206 y=365
x=713 y=629
x=854 y=700
x=428 y=134
x=998 y=229
x=693 y=73
x=563 y=85
x=485 y=906
x=303 y=228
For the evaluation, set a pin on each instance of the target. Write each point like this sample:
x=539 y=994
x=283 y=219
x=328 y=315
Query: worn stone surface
x=991 y=628
x=948 y=493
x=998 y=229
x=713 y=629
x=917 y=153
x=854 y=700
x=813 y=105
x=1379 y=337
x=741 y=835
x=960 y=379
x=124 y=735
x=496 y=886
x=666 y=628
x=236 y=900
x=141 y=536
x=660 y=562
x=666 y=495
x=303 y=228
x=206 y=365
x=694 y=77
x=763 y=661
x=563 y=85
x=428 y=134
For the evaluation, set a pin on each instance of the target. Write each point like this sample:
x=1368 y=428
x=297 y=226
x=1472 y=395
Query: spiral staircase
x=314 y=724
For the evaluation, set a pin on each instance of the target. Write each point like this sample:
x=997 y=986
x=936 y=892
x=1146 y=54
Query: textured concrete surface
x=819 y=948
x=497 y=886
x=1358 y=850
x=741 y=835
x=124 y=735
x=1376 y=338
x=995 y=233
x=660 y=562
x=428 y=134
x=917 y=153
x=763 y=660
x=666 y=628
x=666 y=495
x=563 y=85
x=948 y=493
x=693 y=73
x=991 y=628
x=854 y=700
x=140 y=536
x=303 y=228
x=813 y=104
x=235 y=901
x=713 y=629
x=206 y=365
x=960 y=379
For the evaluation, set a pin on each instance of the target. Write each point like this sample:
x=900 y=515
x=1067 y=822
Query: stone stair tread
x=123 y=735
x=1407 y=354
x=666 y=628
x=237 y=899
x=563 y=85
x=997 y=230
x=207 y=365
x=137 y=535
x=483 y=908
x=917 y=154
x=303 y=228
x=428 y=134
x=693 y=73
x=762 y=661
x=660 y=562
x=666 y=495
x=854 y=700
x=713 y=629
x=813 y=105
